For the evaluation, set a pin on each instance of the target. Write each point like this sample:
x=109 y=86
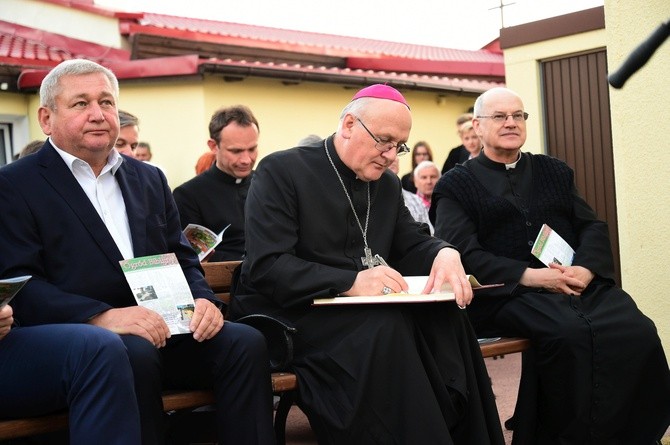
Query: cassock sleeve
x=279 y=269
x=188 y=206
x=595 y=249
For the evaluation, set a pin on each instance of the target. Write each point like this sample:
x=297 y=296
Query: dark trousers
x=48 y=368
x=234 y=363
x=596 y=374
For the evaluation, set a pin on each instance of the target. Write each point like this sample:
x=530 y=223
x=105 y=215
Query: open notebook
x=413 y=295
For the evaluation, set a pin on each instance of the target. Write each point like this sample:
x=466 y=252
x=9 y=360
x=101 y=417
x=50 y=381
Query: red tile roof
x=310 y=42
x=21 y=45
x=18 y=48
x=367 y=60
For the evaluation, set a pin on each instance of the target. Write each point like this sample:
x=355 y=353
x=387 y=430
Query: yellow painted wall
x=15 y=109
x=174 y=116
x=170 y=117
x=14 y=104
x=640 y=129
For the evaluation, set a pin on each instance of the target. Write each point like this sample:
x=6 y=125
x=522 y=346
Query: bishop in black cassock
x=368 y=374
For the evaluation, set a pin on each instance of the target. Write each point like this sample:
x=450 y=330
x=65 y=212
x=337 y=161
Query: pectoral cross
x=369 y=260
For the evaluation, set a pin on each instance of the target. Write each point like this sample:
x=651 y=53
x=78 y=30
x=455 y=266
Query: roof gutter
x=355 y=78
x=125 y=70
x=186 y=66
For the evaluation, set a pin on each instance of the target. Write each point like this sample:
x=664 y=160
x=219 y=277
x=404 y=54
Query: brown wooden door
x=578 y=130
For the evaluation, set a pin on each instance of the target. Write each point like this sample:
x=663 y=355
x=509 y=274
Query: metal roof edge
x=131 y=69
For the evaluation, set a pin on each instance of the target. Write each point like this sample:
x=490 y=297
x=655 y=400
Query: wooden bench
x=284 y=384
x=505 y=345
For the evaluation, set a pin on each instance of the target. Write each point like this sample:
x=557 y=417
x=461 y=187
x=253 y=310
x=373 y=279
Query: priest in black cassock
x=596 y=372
x=325 y=220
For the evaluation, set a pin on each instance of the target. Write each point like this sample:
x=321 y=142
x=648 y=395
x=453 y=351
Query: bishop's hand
x=447 y=267
x=377 y=281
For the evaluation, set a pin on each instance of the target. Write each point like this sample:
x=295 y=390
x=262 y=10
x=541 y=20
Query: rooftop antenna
x=501 y=6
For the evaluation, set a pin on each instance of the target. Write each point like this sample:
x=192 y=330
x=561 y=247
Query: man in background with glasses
x=328 y=219
x=596 y=372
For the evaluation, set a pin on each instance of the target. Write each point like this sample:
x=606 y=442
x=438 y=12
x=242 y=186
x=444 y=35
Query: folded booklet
x=10 y=287
x=550 y=247
x=158 y=283
x=413 y=294
x=202 y=239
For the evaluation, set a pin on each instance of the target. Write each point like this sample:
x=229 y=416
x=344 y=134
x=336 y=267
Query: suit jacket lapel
x=131 y=187
x=61 y=179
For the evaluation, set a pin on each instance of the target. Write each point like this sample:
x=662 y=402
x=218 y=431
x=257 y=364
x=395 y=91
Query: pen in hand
x=381 y=260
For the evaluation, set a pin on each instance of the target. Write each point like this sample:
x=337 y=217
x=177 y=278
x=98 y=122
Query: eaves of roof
x=238 y=70
x=127 y=70
x=460 y=67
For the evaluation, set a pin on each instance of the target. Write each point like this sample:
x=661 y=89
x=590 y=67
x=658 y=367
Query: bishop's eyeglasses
x=383 y=145
x=499 y=118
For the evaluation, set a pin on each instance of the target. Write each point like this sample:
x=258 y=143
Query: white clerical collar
x=513 y=164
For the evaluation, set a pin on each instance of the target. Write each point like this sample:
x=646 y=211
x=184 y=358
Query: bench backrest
x=219 y=276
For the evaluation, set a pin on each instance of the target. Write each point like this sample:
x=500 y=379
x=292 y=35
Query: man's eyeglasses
x=385 y=146
x=499 y=118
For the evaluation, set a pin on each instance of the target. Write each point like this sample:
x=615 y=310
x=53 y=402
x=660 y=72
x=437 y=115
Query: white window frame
x=6 y=143
x=14 y=131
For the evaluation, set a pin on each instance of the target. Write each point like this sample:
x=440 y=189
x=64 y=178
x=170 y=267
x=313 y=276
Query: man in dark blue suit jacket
x=76 y=208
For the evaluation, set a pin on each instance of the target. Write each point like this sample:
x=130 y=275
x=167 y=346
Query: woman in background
x=420 y=152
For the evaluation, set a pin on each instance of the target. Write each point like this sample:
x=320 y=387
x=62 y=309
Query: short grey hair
x=127 y=119
x=424 y=165
x=356 y=107
x=50 y=87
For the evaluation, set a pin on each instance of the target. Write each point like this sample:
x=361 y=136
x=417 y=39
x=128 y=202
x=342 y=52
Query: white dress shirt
x=105 y=195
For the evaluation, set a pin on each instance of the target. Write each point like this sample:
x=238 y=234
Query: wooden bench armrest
x=283 y=381
x=11 y=429
x=506 y=345
x=176 y=400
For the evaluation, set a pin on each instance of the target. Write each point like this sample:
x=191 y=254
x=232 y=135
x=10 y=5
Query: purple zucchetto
x=381 y=91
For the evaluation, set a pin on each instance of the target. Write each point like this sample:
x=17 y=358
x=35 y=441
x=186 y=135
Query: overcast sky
x=463 y=24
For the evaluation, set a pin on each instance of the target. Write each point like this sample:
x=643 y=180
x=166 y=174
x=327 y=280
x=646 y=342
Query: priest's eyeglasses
x=499 y=118
x=385 y=146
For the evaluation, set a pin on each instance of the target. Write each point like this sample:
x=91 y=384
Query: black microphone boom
x=639 y=56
